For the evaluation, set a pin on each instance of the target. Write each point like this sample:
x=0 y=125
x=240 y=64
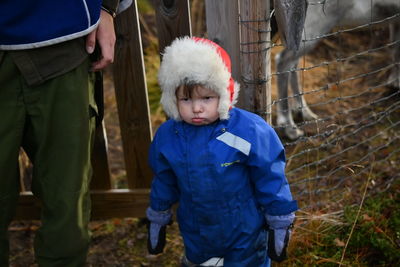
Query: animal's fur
x=321 y=19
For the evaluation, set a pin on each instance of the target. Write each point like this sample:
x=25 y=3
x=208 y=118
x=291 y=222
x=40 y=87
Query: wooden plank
x=172 y=20
x=255 y=56
x=222 y=19
x=101 y=171
x=28 y=207
x=132 y=99
x=119 y=203
x=106 y=204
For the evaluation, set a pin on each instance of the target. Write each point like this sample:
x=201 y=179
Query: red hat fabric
x=199 y=61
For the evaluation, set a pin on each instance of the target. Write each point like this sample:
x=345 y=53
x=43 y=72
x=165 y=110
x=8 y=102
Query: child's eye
x=209 y=97
x=184 y=99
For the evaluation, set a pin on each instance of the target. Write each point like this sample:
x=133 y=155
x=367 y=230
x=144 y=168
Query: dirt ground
x=118 y=242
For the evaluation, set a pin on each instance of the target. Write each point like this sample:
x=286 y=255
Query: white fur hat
x=199 y=61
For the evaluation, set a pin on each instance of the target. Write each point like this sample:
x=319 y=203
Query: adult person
x=47 y=107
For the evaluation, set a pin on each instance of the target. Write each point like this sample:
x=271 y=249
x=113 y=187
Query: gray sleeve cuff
x=280 y=221
x=159 y=217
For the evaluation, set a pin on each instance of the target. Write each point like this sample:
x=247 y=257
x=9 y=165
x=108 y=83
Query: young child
x=225 y=166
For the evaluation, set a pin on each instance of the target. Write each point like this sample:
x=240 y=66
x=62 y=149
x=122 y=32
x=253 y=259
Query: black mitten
x=156 y=229
x=279 y=229
x=156 y=236
x=278 y=240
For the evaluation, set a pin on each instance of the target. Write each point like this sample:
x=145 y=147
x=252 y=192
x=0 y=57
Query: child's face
x=200 y=107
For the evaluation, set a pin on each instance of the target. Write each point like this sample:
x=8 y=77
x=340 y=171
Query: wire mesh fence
x=349 y=77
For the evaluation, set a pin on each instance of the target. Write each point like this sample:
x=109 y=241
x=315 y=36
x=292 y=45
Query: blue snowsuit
x=225 y=176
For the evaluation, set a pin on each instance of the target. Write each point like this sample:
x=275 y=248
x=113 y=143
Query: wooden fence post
x=172 y=19
x=222 y=19
x=132 y=99
x=255 y=56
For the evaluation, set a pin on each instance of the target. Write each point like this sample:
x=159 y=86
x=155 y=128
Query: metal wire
x=374 y=118
x=360 y=125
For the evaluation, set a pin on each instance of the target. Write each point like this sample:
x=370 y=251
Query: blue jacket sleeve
x=267 y=171
x=164 y=189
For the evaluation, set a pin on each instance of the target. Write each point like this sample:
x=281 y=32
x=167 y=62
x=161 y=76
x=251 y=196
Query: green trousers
x=54 y=123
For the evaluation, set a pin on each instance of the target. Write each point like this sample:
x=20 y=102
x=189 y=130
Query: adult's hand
x=104 y=34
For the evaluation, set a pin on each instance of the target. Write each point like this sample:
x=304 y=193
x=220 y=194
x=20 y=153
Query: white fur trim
x=199 y=62
x=235 y=94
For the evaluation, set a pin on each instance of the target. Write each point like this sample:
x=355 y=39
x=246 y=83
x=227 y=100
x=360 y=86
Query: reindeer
x=321 y=17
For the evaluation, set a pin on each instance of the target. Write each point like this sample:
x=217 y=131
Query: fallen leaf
x=367 y=218
x=339 y=243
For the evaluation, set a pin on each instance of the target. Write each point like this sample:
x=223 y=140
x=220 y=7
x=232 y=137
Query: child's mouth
x=198 y=120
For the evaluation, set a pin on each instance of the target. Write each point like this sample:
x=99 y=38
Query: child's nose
x=197 y=107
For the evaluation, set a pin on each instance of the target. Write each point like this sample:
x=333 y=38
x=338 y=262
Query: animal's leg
x=284 y=115
x=395 y=72
x=300 y=104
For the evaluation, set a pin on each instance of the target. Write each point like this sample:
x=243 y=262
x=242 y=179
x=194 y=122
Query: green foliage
x=377 y=230
x=321 y=238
